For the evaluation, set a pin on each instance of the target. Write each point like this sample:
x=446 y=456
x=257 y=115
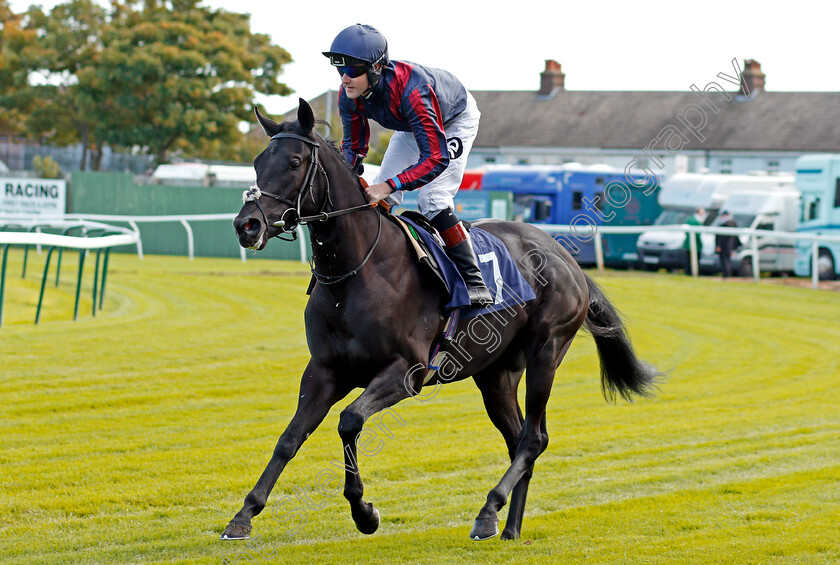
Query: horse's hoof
x=371 y=525
x=509 y=535
x=484 y=528
x=236 y=531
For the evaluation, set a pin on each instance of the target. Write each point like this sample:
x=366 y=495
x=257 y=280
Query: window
x=542 y=210
x=577 y=200
x=726 y=166
x=773 y=165
x=522 y=207
x=837 y=194
x=810 y=208
x=815 y=209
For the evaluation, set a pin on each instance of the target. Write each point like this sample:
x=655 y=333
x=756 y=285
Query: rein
x=254 y=193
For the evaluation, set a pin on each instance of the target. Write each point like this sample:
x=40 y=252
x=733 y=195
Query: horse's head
x=287 y=172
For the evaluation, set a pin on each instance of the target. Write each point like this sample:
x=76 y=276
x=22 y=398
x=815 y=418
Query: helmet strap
x=373 y=77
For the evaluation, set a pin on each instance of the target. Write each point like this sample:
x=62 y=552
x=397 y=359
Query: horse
x=374 y=313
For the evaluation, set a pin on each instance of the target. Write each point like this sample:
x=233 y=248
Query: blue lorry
x=583 y=197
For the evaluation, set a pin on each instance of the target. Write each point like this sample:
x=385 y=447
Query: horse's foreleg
x=384 y=391
x=318 y=393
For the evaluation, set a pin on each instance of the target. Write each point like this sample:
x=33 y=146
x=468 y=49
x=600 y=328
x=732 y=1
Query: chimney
x=551 y=79
x=753 y=78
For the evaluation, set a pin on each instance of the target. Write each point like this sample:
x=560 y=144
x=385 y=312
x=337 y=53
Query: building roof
x=766 y=121
x=631 y=120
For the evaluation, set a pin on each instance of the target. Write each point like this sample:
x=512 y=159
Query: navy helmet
x=359 y=45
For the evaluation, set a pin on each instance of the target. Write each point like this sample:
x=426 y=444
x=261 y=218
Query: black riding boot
x=464 y=258
x=460 y=250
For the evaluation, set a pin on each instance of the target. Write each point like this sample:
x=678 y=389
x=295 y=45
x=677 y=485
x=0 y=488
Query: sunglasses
x=353 y=71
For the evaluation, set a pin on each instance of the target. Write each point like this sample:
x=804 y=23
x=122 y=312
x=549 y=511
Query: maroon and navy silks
x=408 y=97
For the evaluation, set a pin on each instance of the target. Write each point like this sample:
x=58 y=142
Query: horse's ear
x=270 y=127
x=306 y=117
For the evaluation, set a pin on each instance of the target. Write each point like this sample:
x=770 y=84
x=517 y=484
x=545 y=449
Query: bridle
x=254 y=193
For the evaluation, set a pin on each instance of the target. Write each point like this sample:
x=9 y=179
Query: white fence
x=584 y=237
x=111 y=236
x=599 y=231
x=184 y=220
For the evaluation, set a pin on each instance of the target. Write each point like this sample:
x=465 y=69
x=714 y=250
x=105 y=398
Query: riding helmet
x=360 y=44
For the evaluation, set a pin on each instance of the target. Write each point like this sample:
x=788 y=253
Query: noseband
x=254 y=193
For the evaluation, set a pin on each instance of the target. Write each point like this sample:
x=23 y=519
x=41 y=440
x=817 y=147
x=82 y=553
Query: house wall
x=687 y=161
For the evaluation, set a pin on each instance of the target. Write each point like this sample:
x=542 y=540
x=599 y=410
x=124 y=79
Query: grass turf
x=134 y=436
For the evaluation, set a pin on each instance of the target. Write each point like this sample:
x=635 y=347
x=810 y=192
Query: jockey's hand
x=377 y=192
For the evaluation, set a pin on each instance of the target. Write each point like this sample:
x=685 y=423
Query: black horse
x=374 y=313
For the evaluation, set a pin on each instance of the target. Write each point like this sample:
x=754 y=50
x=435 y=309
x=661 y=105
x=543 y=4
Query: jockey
x=435 y=121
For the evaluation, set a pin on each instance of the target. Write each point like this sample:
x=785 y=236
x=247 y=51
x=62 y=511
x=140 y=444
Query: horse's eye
x=294 y=164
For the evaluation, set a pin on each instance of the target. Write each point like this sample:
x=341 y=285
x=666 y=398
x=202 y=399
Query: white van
x=680 y=196
x=776 y=209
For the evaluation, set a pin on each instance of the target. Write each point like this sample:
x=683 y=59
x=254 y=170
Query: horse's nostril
x=251 y=225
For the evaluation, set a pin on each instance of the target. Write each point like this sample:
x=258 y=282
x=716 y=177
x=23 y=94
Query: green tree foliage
x=15 y=41
x=46 y=168
x=152 y=75
x=377 y=147
x=70 y=41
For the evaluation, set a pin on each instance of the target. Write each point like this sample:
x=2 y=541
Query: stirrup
x=480 y=295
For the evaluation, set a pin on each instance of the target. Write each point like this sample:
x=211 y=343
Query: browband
x=295 y=136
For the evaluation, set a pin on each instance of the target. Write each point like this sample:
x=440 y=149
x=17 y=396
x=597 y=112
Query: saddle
x=419 y=244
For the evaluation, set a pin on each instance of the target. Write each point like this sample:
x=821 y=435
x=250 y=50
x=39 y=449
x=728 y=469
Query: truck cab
x=553 y=194
x=818 y=179
x=583 y=197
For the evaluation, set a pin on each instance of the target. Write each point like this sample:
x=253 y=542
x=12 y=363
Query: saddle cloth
x=506 y=283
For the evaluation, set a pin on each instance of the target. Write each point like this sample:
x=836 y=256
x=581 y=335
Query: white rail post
x=302 y=244
x=599 y=251
x=815 y=264
x=692 y=251
x=133 y=225
x=190 y=241
x=754 y=243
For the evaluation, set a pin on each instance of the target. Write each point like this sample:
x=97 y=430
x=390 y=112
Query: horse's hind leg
x=499 y=390
x=516 y=512
x=533 y=439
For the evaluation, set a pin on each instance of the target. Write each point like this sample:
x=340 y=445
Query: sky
x=601 y=45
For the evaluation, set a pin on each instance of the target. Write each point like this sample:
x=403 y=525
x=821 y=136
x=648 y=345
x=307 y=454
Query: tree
x=152 y=75
x=180 y=72
x=70 y=39
x=15 y=41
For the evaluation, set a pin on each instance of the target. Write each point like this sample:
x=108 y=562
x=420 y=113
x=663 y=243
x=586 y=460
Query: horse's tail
x=621 y=371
